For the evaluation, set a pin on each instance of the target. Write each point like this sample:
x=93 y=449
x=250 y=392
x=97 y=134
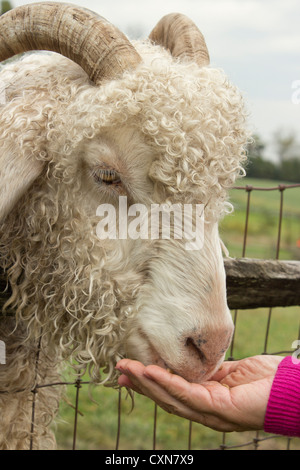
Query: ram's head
x=106 y=128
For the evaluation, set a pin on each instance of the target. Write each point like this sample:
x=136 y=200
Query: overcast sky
x=256 y=42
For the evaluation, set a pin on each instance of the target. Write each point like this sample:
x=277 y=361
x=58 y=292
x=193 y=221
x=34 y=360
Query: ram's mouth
x=155 y=357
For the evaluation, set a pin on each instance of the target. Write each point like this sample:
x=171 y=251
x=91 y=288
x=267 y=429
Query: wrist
x=283 y=408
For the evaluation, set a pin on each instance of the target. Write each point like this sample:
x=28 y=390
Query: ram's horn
x=79 y=34
x=181 y=37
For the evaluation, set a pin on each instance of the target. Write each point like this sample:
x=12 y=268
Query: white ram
x=95 y=119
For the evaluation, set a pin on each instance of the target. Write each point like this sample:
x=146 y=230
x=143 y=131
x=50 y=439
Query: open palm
x=235 y=399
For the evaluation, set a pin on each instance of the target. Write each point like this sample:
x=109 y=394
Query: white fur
x=175 y=133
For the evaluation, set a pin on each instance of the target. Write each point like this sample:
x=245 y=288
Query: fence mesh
x=259 y=438
x=196 y=436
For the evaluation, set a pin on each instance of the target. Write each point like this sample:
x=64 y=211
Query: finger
x=226 y=368
x=234 y=373
x=138 y=380
x=173 y=406
x=208 y=397
x=133 y=377
x=131 y=366
x=170 y=390
x=125 y=381
x=247 y=370
x=175 y=394
x=129 y=374
x=172 y=393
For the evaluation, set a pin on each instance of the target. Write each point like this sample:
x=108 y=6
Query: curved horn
x=181 y=37
x=79 y=34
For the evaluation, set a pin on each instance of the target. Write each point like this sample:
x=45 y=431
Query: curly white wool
x=192 y=119
x=80 y=295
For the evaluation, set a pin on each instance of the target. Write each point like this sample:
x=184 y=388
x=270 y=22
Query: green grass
x=97 y=428
x=263 y=221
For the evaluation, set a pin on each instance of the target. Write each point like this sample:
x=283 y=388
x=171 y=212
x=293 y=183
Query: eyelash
x=106 y=176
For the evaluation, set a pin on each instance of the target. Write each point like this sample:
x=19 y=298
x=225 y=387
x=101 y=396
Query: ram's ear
x=17 y=174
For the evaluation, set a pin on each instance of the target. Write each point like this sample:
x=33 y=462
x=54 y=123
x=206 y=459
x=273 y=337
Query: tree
x=290 y=170
x=286 y=145
x=257 y=166
x=287 y=169
x=5 y=6
x=255 y=147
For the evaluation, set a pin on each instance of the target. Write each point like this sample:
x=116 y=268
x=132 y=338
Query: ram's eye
x=107 y=176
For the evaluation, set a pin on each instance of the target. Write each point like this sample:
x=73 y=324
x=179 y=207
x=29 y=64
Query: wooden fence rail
x=251 y=283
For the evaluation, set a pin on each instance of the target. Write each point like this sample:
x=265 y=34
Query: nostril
x=190 y=343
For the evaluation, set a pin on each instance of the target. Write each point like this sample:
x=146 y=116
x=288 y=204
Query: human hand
x=235 y=399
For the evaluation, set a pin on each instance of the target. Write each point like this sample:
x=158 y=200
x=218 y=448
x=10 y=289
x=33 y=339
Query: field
x=263 y=222
x=98 y=419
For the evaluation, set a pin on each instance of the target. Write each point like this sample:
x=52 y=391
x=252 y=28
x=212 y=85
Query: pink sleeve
x=283 y=409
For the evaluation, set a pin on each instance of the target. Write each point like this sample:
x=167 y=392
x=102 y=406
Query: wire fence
x=256 y=441
x=259 y=439
x=281 y=188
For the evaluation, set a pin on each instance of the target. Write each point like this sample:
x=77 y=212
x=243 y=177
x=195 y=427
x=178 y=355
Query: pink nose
x=205 y=350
